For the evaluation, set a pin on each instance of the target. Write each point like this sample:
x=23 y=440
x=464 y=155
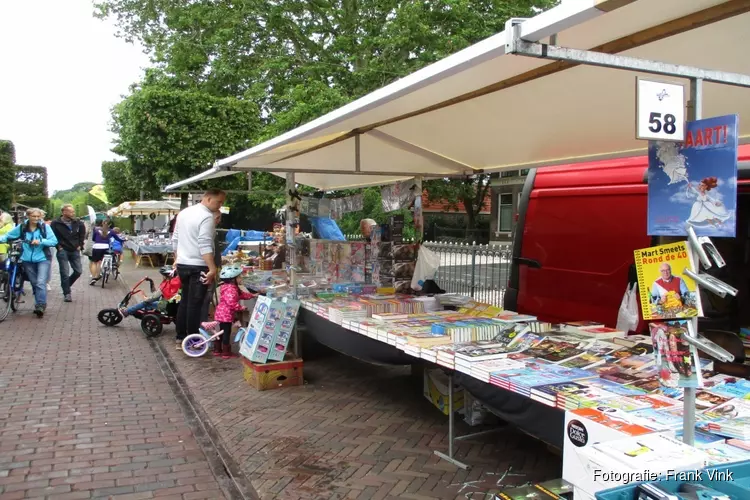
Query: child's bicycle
x=196 y=345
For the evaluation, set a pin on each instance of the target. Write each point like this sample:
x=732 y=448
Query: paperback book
x=665 y=291
x=677 y=359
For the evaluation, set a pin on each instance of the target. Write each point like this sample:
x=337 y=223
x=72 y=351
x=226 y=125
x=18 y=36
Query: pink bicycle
x=196 y=345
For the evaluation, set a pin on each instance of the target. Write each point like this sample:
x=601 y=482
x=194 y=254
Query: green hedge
x=7 y=173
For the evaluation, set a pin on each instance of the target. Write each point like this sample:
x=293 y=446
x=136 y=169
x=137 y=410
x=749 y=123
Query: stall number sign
x=660 y=111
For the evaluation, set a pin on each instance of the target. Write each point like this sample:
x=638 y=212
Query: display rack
x=704 y=254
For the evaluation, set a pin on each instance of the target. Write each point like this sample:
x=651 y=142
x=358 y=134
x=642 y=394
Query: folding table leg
x=451 y=429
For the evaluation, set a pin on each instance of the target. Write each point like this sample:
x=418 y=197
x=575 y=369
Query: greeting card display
x=284 y=329
x=261 y=330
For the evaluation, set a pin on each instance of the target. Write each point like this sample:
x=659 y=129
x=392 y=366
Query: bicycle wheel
x=151 y=325
x=195 y=345
x=4 y=296
x=104 y=275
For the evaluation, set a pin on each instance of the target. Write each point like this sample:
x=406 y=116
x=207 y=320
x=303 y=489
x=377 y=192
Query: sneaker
x=68 y=298
x=48 y=287
x=178 y=344
x=38 y=310
x=93 y=281
x=228 y=355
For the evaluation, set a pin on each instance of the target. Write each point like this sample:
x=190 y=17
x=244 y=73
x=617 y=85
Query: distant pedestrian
x=193 y=244
x=71 y=236
x=6 y=224
x=101 y=237
x=37 y=238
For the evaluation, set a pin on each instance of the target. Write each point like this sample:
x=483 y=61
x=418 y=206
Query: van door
x=574 y=244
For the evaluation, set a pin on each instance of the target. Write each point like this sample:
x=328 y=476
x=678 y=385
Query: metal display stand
x=452 y=429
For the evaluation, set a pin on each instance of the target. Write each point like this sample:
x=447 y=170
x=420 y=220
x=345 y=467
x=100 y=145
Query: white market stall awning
x=158 y=207
x=482 y=110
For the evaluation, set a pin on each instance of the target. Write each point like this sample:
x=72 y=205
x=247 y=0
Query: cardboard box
x=583 y=429
x=436 y=391
x=273 y=375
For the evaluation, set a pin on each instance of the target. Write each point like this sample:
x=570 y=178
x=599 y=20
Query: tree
x=79 y=196
x=168 y=135
x=299 y=59
x=30 y=186
x=7 y=173
x=119 y=184
x=264 y=50
x=471 y=191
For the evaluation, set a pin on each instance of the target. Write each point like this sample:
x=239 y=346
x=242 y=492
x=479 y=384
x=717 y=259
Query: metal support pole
x=418 y=213
x=694 y=112
x=617 y=61
x=291 y=254
x=451 y=417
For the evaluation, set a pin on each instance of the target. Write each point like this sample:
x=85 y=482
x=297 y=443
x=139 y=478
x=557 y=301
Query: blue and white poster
x=695 y=182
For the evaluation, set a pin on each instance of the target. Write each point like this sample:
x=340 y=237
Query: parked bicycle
x=11 y=282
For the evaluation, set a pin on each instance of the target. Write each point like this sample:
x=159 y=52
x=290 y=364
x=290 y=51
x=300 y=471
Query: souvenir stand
x=498 y=106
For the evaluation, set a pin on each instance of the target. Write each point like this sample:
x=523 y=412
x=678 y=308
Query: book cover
x=656 y=400
x=584 y=361
x=695 y=182
x=614 y=420
x=734 y=408
x=739 y=388
x=666 y=418
x=615 y=388
x=665 y=292
x=677 y=360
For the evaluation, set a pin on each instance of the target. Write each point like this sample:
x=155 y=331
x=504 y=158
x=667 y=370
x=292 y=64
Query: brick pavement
x=85 y=411
x=354 y=430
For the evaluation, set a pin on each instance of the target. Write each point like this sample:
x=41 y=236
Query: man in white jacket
x=193 y=244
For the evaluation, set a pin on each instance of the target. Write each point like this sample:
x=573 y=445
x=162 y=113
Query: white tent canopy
x=482 y=110
x=158 y=207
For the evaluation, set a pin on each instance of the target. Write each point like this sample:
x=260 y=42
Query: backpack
x=43 y=232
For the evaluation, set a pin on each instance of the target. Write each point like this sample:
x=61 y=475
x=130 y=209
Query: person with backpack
x=71 y=236
x=38 y=238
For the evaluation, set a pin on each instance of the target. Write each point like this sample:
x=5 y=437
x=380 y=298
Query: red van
x=577 y=228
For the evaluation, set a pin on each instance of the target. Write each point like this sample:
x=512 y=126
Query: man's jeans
x=67 y=260
x=191 y=303
x=37 y=273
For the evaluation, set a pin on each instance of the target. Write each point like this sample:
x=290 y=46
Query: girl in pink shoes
x=230 y=295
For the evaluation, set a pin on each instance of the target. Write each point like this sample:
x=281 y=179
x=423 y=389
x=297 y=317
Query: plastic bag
x=628 y=317
x=428 y=263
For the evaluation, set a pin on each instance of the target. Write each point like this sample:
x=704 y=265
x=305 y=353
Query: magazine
x=666 y=293
x=677 y=359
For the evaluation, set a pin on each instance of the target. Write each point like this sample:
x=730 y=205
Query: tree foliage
x=7 y=173
x=30 y=186
x=295 y=59
x=119 y=184
x=79 y=196
x=168 y=134
x=471 y=191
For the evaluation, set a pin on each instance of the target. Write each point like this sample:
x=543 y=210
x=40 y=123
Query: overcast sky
x=61 y=70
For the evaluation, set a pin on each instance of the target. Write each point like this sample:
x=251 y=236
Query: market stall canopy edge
x=159 y=207
x=482 y=110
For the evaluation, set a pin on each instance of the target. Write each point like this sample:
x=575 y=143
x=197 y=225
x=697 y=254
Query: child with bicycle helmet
x=168 y=290
x=230 y=295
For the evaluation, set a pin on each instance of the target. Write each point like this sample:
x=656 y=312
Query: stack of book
x=342 y=313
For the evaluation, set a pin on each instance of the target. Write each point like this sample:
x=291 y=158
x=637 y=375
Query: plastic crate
x=738 y=487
